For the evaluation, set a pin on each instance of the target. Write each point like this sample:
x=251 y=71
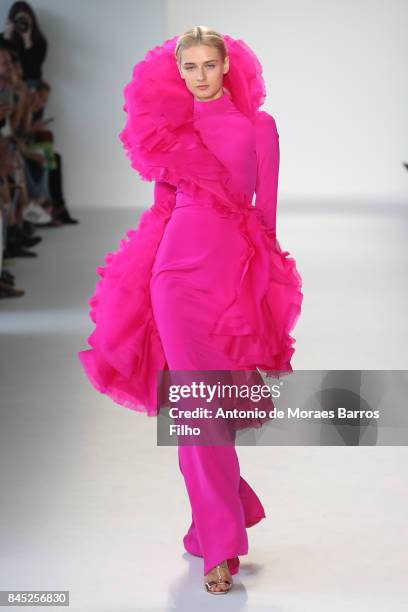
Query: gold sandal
x=221 y=580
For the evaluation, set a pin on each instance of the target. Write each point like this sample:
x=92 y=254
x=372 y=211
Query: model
x=202 y=283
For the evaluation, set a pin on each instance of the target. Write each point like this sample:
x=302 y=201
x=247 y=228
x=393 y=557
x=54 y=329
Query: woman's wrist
x=8 y=30
x=28 y=43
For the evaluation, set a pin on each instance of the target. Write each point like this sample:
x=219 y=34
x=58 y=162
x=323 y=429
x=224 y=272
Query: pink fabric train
x=212 y=157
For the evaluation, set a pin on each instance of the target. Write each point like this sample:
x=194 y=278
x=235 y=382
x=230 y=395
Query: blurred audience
x=23 y=35
x=31 y=193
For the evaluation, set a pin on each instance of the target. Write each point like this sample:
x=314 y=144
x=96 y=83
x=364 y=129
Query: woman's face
x=202 y=65
x=25 y=16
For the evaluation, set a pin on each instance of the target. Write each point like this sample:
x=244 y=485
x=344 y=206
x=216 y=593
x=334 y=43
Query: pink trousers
x=222 y=503
x=193 y=276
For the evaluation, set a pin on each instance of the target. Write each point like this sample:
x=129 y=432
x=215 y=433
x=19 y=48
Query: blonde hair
x=200 y=35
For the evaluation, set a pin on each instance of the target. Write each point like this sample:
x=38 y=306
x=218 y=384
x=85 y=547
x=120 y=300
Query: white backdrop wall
x=336 y=82
x=335 y=74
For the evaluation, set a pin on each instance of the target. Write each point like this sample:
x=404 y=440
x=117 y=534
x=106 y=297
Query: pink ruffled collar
x=159 y=134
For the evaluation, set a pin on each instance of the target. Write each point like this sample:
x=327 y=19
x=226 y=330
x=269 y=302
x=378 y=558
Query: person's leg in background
x=34 y=174
x=7 y=280
x=17 y=239
x=55 y=183
x=56 y=191
x=40 y=209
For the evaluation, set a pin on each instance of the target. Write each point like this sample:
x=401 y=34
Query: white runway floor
x=91 y=505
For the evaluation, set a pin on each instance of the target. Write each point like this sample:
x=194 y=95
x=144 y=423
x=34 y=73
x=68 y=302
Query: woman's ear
x=226 y=64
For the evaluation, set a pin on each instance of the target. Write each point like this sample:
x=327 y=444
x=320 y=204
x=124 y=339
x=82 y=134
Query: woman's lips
x=202 y=86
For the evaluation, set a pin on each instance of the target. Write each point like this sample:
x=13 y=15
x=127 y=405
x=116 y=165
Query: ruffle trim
x=244 y=79
x=255 y=329
x=159 y=136
x=126 y=351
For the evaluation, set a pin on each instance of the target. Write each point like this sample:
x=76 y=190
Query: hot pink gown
x=202 y=283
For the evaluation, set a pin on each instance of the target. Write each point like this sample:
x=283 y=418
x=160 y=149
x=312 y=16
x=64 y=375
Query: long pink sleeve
x=268 y=154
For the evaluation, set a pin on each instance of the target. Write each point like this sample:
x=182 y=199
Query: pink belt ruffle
x=255 y=328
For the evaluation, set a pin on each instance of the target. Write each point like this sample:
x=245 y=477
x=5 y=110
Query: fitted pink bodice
x=230 y=136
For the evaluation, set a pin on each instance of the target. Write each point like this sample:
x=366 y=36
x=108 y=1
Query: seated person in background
x=23 y=34
x=42 y=139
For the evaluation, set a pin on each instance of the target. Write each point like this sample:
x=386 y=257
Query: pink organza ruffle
x=159 y=136
x=126 y=351
x=255 y=329
x=163 y=146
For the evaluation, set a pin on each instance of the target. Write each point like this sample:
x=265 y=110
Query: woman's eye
x=208 y=66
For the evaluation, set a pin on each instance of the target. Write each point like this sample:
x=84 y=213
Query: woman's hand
x=8 y=30
x=27 y=38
